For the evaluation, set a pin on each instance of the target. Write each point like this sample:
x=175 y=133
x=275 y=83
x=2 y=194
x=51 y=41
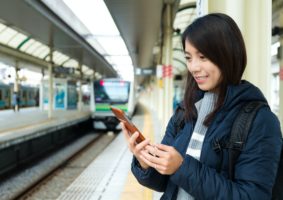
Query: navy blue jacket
x=255 y=169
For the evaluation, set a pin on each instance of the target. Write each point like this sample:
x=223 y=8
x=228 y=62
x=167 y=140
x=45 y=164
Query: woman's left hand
x=165 y=159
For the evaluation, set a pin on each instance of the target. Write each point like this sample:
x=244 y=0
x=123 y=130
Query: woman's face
x=206 y=74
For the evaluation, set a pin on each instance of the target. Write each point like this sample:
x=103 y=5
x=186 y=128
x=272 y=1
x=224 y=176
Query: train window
x=1 y=97
x=6 y=94
x=111 y=91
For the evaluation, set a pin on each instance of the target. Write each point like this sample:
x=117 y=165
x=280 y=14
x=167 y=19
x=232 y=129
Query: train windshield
x=111 y=91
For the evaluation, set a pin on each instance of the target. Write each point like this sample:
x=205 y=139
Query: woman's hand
x=136 y=149
x=165 y=159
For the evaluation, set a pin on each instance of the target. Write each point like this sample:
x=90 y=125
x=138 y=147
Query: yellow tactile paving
x=132 y=189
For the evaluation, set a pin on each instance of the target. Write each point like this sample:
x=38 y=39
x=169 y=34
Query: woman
x=185 y=165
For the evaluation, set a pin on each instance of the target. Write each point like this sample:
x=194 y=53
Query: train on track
x=28 y=96
x=111 y=92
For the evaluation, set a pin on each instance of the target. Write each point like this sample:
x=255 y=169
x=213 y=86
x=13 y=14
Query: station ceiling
x=139 y=22
x=35 y=20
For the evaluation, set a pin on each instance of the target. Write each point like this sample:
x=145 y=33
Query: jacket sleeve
x=150 y=177
x=255 y=169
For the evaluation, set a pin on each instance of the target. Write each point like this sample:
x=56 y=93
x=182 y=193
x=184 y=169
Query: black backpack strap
x=240 y=130
x=179 y=119
x=277 y=193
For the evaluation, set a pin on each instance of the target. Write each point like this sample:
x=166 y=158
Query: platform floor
x=109 y=176
x=27 y=120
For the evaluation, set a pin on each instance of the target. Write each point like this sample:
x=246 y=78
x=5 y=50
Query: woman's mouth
x=200 y=79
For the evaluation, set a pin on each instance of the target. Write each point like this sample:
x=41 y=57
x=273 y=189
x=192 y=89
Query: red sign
x=281 y=73
x=167 y=71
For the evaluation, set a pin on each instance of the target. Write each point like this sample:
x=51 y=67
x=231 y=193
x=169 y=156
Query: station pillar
x=51 y=91
x=281 y=72
x=41 y=106
x=80 y=102
x=167 y=65
x=254 y=19
x=16 y=83
x=160 y=88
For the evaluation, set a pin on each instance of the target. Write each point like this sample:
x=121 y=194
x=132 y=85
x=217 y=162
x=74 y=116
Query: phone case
x=129 y=125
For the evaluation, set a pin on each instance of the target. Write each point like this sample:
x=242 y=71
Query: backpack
x=239 y=133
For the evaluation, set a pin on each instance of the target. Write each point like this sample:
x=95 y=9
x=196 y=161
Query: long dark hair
x=219 y=39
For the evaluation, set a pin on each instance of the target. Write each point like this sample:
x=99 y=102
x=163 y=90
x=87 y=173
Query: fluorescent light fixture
x=103 y=34
x=95 y=16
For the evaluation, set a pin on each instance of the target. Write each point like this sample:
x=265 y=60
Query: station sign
x=145 y=71
x=63 y=70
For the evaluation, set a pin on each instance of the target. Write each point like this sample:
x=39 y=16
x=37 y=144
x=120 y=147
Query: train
x=28 y=95
x=111 y=92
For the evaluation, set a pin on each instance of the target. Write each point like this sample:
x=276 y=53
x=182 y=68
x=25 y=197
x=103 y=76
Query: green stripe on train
x=106 y=107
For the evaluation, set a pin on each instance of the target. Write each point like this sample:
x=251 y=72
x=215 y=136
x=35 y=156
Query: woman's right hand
x=135 y=148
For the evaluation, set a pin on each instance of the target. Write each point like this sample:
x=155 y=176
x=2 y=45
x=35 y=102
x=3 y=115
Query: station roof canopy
x=29 y=26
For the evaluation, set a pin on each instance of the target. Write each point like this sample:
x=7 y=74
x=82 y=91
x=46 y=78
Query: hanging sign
x=63 y=70
x=281 y=73
x=159 y=71
x=167 y=71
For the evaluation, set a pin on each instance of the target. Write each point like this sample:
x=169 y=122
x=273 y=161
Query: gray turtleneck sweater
x=204 y=107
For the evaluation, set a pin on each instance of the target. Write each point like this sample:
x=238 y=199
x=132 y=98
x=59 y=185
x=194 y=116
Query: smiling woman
x=187 y=165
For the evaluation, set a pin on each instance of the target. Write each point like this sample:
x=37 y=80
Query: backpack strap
x=277 y=193
x=179 y=119
x=240 y=130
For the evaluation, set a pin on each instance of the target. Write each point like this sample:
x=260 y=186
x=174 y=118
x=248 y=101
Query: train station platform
x=109 y=176
x=28 y=123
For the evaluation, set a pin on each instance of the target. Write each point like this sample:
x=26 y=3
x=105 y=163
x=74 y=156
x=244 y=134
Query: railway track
x=51 y=176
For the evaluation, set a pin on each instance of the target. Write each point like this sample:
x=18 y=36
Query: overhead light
x=103 y=35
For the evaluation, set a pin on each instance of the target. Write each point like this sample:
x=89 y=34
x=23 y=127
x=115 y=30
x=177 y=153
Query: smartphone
x=129 y=125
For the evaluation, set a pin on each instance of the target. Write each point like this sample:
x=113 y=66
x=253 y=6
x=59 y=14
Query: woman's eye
x=202 y=57
x=188 y=58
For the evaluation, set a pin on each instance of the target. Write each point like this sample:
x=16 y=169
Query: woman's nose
x=194 y=65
